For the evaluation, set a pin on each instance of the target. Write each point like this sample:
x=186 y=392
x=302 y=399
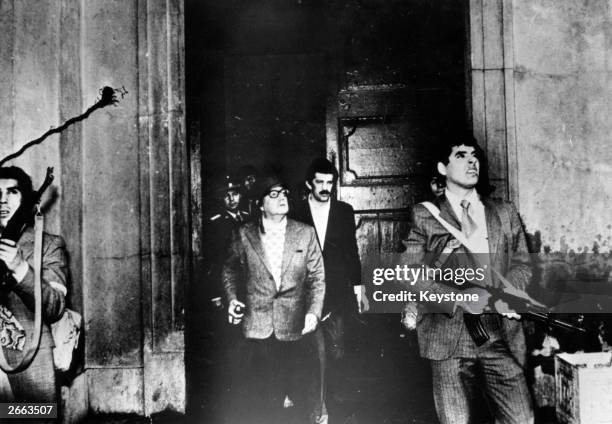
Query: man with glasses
x=278 y=264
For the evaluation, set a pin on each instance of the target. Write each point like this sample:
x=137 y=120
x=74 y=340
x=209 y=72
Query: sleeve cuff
x=21 y=272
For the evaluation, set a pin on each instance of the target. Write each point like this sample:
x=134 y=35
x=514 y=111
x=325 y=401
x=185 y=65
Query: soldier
x=220 y=225
x=217 y=342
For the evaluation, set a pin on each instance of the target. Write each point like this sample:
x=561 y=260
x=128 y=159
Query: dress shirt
x=273 y=241
x=479 y=238
x=320 y=216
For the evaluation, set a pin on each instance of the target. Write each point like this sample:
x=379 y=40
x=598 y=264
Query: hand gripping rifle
x=13 y=230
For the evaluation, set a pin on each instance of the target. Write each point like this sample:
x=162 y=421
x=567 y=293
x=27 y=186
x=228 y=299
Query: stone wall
x=120 y=197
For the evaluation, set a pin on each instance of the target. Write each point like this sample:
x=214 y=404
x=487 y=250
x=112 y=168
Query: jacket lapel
x=291 y=239
x=493 y=228
x=252 y=233
x=447 y=213
x=331 y=218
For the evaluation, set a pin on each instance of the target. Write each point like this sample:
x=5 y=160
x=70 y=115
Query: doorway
x=371 y=84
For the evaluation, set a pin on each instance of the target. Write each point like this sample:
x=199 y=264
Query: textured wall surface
x=541 y=105
x=563 y=103
x=120 y=197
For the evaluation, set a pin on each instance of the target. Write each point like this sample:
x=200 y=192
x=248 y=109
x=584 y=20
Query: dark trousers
x=270 y=370
x=492 y=372
x=330 y=347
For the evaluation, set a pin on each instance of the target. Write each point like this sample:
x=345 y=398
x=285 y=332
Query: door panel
x=383 y=151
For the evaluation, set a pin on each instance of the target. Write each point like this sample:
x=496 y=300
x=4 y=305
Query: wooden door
x=384 y=155
x=400 y=84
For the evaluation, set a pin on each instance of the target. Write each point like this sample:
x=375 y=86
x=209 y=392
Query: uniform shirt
x=320 y=216
x=273 y=241
x=237 y=216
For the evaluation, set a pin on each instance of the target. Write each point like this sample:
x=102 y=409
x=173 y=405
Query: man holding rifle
x=37 y=382
x=469 y=352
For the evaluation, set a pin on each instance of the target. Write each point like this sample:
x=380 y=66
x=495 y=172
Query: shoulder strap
x=509 y=288
x=435 y=212
x=31 y=352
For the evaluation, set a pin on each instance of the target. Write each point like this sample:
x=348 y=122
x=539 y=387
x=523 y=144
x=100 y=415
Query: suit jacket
x=340 y=254
x=270 y=310
x=438 y=334
x=20 y=299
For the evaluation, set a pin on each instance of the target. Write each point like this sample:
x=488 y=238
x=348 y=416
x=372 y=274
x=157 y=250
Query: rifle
x=472 y=321
x=480 y=336
x=13 y=230
x=20 y=219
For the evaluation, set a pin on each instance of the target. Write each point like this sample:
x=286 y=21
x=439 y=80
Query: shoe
x=287 y=403
x=322 y=419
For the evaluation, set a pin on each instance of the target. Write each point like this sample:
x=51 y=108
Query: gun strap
x=435 y=212
x=508 y=287
x=31 y=352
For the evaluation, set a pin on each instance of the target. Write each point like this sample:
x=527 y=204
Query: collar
x=315 y=204
x=272 y=226
x=455 y=200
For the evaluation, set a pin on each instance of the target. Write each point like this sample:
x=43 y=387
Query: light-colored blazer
x=438 y=333
x=247 y=278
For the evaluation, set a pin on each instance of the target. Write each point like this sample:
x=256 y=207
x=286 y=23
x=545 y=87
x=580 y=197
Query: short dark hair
x=24 y=182
x=322 y=166
x=462 y=140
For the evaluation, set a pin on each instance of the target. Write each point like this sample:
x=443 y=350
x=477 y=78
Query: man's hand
x=475 y=307
x=310 y=323
x=363 y=305
x=234 y=316
x=11 y=255
x=502 y=308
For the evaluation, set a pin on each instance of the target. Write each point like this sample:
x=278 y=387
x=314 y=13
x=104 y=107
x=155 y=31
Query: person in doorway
x=334 y=223
x=278 y=264
x=462 y=364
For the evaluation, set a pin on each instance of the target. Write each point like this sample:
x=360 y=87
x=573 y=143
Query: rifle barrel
x=555 y=322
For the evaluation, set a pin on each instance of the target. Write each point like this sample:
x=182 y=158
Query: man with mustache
x=334 y=222
x=465 y=368
x=278 y=264
x=37 y=382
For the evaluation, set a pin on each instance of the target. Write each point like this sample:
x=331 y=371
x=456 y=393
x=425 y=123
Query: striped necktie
x=468 y=226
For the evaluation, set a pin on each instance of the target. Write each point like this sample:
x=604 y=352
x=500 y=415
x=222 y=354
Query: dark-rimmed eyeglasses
x=275 y=193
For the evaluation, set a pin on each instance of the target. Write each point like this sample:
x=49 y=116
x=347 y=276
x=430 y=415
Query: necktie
x=468 y=226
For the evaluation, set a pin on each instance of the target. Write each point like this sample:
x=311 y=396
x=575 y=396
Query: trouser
x=494 y=372
x=329 y=339
x=272 y=369
x=35 y=384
